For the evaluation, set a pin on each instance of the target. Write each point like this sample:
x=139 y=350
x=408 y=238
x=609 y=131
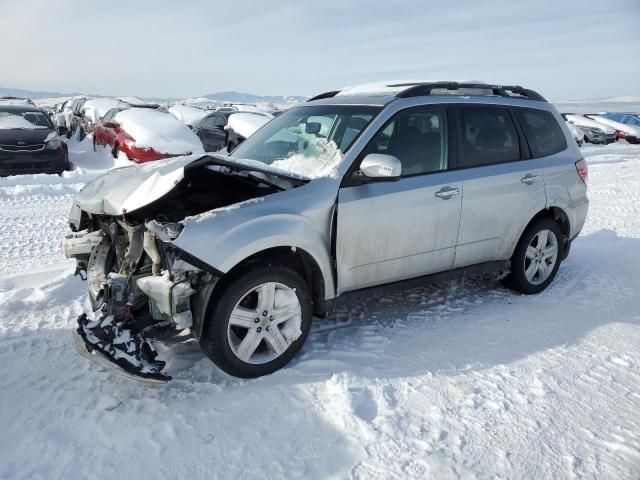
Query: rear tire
x=241 y=312
x=537 y=257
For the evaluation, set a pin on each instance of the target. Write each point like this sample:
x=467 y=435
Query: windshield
x=12 y=120
x=309 y=140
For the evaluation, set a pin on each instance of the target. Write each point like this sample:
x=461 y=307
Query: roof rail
x=422 y=89
x=330 y=94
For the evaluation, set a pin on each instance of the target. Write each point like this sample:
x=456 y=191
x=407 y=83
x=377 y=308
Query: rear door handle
x=447 y=192
x=530 y=179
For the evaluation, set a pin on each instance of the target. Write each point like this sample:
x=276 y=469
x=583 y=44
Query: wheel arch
x=554 y=213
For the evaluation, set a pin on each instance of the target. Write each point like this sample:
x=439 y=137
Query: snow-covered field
x=464 y=380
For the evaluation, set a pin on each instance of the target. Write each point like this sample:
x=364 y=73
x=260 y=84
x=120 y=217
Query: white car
x=630 y=133
x=188 y=115
x=577 y=132
x=594 y=132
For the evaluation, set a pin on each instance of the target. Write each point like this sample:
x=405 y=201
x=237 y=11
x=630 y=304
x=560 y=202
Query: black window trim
x=349 y=180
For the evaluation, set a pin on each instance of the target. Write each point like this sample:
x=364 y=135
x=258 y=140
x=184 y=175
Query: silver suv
x=351 y=190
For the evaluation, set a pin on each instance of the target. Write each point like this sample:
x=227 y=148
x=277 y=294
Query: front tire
x=258 y=321
x=537 y=257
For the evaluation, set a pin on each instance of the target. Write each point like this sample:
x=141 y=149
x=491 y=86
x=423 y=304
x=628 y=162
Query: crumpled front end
x=141 y=286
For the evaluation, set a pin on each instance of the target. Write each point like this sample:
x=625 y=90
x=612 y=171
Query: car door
x=390 y=231
x=503 y=187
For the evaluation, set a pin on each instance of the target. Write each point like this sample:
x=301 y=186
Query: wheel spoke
x=266 y=297
x=549 y=251
x=542 y=238
x=531 y=253
x=276 y=340
x=243 y=317
x=249 y=345
x=531 y=271
x=283 y=314
x=543 y=270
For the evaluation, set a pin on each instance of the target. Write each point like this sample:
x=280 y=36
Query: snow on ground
x=462 y=380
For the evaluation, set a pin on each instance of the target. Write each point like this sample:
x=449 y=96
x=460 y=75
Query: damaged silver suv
x=355 y=189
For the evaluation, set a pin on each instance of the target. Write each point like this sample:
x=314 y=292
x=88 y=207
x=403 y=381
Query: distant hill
x=237 y=97
x=240 y=97
x=34 y=95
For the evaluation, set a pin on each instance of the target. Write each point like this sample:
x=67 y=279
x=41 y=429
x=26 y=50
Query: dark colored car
x=214 y=134
x=29 y=142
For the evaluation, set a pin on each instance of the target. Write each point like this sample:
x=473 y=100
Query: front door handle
x=447 y=192
x=530 y=179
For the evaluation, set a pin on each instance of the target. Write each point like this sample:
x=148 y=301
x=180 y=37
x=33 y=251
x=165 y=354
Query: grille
x=121 y=243
x=22 y=148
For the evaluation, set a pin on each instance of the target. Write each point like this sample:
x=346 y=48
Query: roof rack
x=422 y=89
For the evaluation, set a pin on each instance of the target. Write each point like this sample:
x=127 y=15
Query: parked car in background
x=577 y=132
x=93 y=110
x=628 y=118
x=145 y=134
x=29 y=142
x=65 y=118
x=336 y=195
x=594 y=132
x=188 y=115
x=228 y=128
x=624 y=131
x=11 y=100
x=77 y=119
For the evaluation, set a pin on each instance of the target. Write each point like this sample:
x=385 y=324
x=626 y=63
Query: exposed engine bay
x=141 y=286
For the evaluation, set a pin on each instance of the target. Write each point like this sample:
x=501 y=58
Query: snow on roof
x=245 y=123
x=581 y=121
x=187 y=115
x=158 y=130
x=94 y=110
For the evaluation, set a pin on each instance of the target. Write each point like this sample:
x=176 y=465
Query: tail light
x=583 y=170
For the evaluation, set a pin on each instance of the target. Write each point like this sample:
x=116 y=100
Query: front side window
x=488 y=136
x=220 y=121
x=417 y=137
x=630 y=120
x=543 y=133
x=309 y=140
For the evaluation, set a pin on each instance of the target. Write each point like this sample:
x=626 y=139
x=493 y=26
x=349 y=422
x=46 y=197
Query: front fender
x=225 y=239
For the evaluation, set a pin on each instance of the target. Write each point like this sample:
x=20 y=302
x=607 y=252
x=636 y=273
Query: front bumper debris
x=120 y=348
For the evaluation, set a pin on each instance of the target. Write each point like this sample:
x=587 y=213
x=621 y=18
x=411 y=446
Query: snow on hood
x=188 y=115
x=581 y=121
x=158 y=130
x=94 y=110
x=246 y=123
x=8 y=122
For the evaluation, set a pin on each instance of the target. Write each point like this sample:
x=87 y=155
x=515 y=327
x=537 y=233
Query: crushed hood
x=129 y=188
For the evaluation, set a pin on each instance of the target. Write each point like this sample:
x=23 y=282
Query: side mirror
x=381 y=167
x=62 y=130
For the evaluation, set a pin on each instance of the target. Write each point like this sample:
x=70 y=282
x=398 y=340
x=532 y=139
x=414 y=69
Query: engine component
x=151 y=248
x=168 y=298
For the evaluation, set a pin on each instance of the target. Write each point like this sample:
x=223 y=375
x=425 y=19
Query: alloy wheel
x=264 y=323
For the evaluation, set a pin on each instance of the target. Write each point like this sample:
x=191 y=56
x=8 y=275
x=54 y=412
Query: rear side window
x=543 y=133
x=488 y=136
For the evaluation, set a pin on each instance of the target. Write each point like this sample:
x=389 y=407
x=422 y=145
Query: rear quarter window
x=544 y=135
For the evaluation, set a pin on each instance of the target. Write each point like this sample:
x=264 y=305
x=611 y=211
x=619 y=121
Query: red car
x=145 y=135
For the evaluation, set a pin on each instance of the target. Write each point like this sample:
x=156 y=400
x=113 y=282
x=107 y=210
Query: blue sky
x=566 y=49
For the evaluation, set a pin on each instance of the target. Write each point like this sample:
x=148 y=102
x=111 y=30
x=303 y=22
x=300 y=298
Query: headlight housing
x=53 y=142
